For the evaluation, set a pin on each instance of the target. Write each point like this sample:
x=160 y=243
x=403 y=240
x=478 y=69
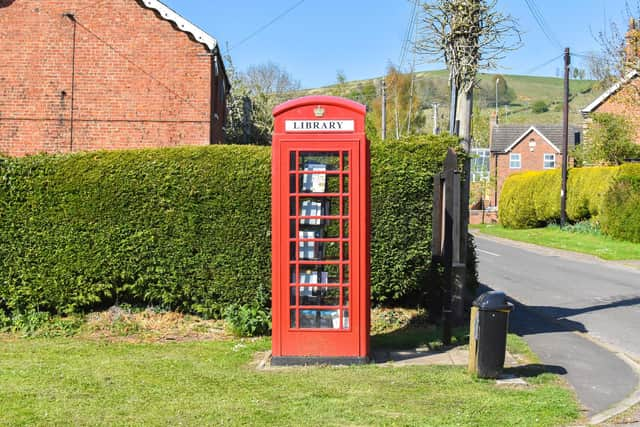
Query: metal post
x=565 y=140
x=436 y=130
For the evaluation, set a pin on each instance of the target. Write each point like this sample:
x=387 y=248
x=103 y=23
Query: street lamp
x=497 y=81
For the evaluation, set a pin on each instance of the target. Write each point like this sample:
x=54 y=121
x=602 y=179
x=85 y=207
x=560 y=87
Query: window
x=549 y=161
x=515 y=161
x=479 y=164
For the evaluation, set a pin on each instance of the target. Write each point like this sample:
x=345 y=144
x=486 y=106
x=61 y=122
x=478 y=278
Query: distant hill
x=432 y=87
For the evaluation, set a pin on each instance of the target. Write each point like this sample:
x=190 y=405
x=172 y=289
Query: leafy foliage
x=532 y=199
x=609 y=141
x=539 y=106
x=621 y=211
x=248 y=320
x=187 y=229
x=175 y=228
x=401 y=205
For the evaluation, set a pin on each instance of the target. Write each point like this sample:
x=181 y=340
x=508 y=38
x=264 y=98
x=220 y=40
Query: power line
x=542 y=23
x=267 y=25
x=537 y=67
x=409 y=34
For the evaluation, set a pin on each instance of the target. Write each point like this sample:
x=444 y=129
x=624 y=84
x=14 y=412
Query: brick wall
x=626 y=103
x=133 y=79
x=532 y=158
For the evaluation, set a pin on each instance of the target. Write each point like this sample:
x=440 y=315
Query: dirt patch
x=119 y=325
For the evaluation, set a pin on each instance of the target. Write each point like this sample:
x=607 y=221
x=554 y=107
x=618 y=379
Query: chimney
x=632 y=43
x=493 y=122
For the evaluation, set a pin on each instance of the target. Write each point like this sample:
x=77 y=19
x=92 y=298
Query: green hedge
x=186 y=229
x=620 y=216
x=532 y=199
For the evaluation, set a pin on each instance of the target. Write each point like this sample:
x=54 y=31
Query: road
x=560 y=294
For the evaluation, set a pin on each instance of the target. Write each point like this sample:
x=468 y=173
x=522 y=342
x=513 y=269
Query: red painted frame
x=296 y=342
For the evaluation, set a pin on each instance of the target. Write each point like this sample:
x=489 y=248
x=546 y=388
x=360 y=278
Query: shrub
x=187 y=229
x=174 y=227
x=586 y=189
x=532 y=199
x=620 y=216
x=247 y=320
x=539 y=107
x=401 y=205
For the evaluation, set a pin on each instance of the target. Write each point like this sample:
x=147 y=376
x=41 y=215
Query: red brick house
x=520 y=148
x=622 y=98
x=80 y=75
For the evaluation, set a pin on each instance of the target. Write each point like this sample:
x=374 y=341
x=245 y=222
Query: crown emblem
x=318 y=111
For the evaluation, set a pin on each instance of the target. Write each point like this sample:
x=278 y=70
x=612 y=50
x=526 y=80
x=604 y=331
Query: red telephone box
x=320 y=232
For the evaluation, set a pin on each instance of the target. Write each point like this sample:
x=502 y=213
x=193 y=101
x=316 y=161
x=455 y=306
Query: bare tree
x=618 y=48
x=254 y=94
x=468 y=35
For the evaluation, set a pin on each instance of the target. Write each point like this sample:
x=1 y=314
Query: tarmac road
x=565 y=302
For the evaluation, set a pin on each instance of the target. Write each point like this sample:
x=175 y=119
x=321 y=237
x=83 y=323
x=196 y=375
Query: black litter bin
x=490 y=323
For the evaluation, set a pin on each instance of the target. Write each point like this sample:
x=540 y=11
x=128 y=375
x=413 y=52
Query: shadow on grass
x=534 y=370
x=418 y=333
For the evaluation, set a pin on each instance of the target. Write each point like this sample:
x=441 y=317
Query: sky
x=315 y=39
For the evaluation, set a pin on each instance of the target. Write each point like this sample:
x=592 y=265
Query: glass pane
x=345 y=184
x=345 y=161
x=345 y=273
x=292 y=228
x=319 y=183
x=345 y=251
x=318 y=206
x=292 y=274
x=292 y=318
x=345 y=319
x=292 y=183
x=324 y=319
x=292 y=295
x=330 y=229
x=345 y=206
x=292 y=206
x=345 y=228
x=331 y=251
x=292 y=251
x=292 y=161
x=311 y=161
x=319 y=295
x=345 y=296
x=310 y=250
x=318 y=274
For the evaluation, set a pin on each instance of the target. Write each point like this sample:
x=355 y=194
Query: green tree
x=539 y=106
x=608 y=142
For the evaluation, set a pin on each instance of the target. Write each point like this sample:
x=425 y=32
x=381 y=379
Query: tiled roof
x=505 y=136
x=181 y=23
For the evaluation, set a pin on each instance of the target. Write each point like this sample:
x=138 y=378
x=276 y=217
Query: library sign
x=319 y=125
x=320 y=232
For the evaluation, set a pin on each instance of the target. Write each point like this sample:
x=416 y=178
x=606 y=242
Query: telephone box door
x=320 y=289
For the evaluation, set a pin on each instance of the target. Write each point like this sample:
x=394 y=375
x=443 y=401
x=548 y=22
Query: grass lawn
x=598 y=245
x=98 y=381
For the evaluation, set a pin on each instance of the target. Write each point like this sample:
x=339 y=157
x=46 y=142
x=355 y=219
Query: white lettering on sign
x=319 y=125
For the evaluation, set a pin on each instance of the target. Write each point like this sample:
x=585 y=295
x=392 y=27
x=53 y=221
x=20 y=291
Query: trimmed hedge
x=186 y=229
x=532 y=199
x=620 y=216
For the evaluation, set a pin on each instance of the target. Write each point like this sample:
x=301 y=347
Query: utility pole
x=384 y=109
x=436 y=129
x=565 y=140
x=497 y=81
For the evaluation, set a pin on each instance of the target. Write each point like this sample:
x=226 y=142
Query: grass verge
x=124 y=367
x=63 y=381
x=553 y=237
